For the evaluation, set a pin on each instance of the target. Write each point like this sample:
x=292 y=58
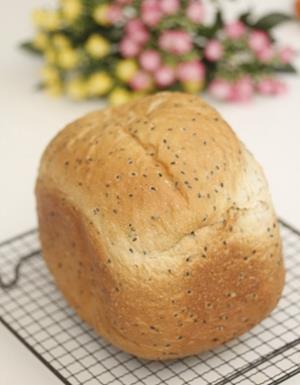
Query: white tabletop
x=28 y=119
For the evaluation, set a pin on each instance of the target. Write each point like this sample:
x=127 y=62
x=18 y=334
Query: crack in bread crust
x=156 y=160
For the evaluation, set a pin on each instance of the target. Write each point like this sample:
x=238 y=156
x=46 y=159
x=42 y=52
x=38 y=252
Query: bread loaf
x=158 y=227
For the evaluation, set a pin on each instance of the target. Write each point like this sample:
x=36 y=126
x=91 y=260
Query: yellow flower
x=97 y=46
x=99 y=84
x=39 y=17
x=119 y=96
x=100 y=14
x=48 y=20
x=54 y=89
x=77 y=89
x=53 y=21
x=50 y=55
x=126 y=69
x=50 y=74
x=40 y=41
x=67 y=58
x=193 y=87
x=61 y=41
x=71 y=9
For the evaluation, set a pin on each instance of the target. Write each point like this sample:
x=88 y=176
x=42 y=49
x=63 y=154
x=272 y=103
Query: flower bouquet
x=125 y=48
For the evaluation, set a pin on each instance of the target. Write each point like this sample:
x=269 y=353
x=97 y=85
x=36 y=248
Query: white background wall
x=28 y=119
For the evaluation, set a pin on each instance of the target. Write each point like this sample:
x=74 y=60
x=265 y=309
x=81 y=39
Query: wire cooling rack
x=35 y=312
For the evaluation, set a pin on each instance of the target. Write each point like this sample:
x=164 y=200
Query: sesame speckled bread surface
x=157 y=225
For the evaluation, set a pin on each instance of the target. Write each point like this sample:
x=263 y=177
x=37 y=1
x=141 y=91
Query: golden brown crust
x=158 y=226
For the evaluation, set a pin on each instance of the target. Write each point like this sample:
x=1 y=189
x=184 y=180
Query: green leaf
x=206 y=32
x=211 y=70
x=210 y=31
x=29 y=47
x=287 y=68
x=272 y=20
x=245 y=18
x=40 y=86
x=219 y=21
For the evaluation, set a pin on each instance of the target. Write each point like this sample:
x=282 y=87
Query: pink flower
x=221 y=89
x=169 y=7
x=141 y=81
x=129 y=47
x=214 y=50
x=191 y=71
x=137 y=31
x=166 y=40
x=269 y=86
x=242 y=90
x=266 y=54
x=259 y=40
x=175 y=41
x=195 y=11
x=265 y=86
x=286 y=55
x=114 y=13
x=141 y=36
x=151 y=12
x=279 y=87
x=133 y=26
x=150 y=60
x=235 y=29
x=164 y=76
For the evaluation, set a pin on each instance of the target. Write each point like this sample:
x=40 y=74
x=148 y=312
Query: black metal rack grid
x=35 y=312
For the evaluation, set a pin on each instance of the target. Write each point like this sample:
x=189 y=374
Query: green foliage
x=285 y=68
x=271 y=21
x=30 y=48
